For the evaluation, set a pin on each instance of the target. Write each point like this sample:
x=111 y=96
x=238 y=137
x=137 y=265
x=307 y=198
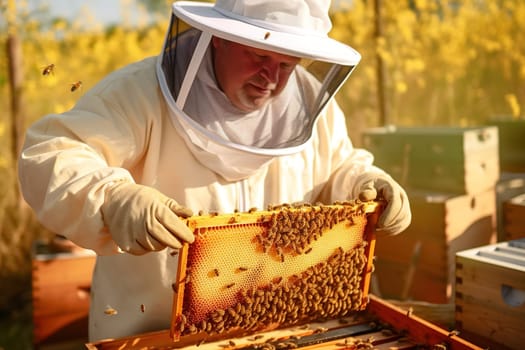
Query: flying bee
x=75 y=86
x=49 y=69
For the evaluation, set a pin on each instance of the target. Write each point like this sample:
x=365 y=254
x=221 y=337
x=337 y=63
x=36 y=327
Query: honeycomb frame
x=264 y=270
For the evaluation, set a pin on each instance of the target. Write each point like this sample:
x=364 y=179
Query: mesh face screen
x=263 y=270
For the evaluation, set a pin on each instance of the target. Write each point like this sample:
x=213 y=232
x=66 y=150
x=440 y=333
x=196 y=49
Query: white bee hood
x=233 y=143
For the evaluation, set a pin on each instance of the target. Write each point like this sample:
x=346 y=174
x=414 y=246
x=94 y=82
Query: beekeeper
x=236 y=112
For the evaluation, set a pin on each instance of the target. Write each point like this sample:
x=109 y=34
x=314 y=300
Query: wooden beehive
x=61 y=283
x=490 y=294
x=509 y=185
x=380 y=326
x=514 y=217
x=511 y=143
x=419 y=263
x=444 y=159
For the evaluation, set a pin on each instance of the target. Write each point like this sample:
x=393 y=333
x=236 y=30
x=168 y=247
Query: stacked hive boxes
x=510 y=190
x=450 y=176
x=490 y=295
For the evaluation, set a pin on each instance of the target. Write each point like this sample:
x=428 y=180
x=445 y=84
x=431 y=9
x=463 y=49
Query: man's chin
x=253 y=104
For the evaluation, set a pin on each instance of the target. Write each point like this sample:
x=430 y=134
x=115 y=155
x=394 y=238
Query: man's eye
x=257 y=57
x=287 y=66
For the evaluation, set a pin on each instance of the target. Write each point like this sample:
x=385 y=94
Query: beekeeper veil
x=232 y=142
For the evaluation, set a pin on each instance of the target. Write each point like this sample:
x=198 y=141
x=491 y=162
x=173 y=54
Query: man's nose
x=270 y=72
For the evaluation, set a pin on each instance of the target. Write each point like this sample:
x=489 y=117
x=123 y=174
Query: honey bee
x=110 y=311
x=49 y=69
x=228 y=286
x=142 y=308
x=75 y=86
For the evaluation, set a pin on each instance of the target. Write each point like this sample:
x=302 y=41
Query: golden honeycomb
x=263 y=270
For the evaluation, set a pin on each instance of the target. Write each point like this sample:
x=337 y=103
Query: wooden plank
x=178 y=289
x=485 y=320
x=441 y=315
x=419 y=330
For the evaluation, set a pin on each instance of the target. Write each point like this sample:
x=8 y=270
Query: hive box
x=443 y=159
x=511 y=143
x=490 y=294
x=509 y=186
x=61 y=284
x=514 y=217
x=419 y=262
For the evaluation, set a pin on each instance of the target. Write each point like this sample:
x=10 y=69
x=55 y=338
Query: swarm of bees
x=50 y=70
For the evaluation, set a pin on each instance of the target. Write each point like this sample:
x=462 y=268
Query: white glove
x=396 y=216
x=141 y=219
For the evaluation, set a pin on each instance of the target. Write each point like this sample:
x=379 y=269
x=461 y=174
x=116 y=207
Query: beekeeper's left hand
x=396 y=216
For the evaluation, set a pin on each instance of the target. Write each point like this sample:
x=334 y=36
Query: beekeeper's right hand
x=140 y=219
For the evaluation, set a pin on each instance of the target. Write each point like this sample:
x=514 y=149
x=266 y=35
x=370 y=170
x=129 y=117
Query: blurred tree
x=15 y=77
x=159 y=6
x=155 y=6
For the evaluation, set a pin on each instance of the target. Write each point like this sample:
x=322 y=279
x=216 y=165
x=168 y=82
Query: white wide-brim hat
x=292 y=27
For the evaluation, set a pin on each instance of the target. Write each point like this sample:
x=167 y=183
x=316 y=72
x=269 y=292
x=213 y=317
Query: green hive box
x=511 y=143
x=446 y=159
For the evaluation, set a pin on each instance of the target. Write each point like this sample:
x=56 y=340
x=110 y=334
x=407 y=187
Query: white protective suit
x=122 y=129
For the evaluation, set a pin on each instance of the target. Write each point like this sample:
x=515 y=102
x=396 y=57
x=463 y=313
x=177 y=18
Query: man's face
x=248 y=76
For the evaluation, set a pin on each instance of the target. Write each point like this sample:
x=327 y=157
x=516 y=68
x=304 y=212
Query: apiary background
x=444 y=159
x=490 y=295
x=418 y=264
x=450 y=175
